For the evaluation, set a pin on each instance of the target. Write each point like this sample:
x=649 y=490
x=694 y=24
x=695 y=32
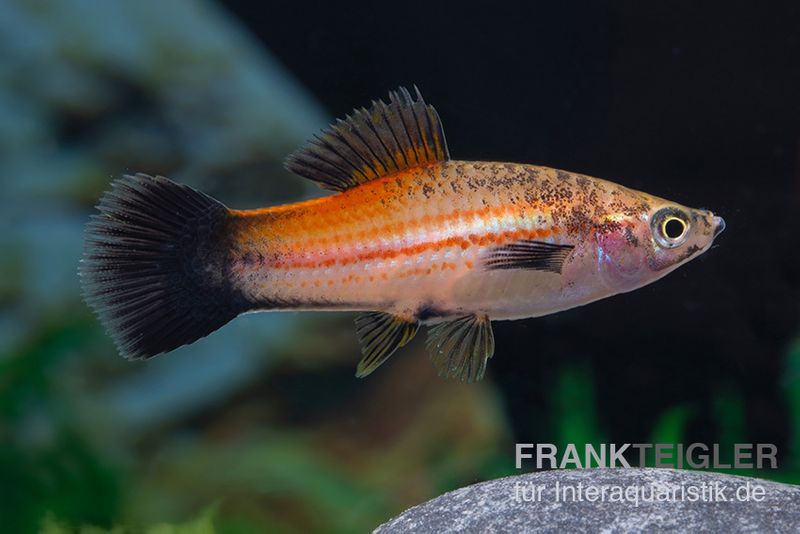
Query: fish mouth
x=719 y=225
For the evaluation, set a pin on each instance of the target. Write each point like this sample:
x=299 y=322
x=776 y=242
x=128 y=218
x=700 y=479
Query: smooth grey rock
x=496 y=505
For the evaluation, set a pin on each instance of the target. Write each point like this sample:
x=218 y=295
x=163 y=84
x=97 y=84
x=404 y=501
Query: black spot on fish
x=429 y=311
x=691 y=251
x=630 y=237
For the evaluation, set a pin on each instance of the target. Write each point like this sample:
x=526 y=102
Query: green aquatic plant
x=574 y=416
x=47 y=463
x=791 y=388
x=202 y=524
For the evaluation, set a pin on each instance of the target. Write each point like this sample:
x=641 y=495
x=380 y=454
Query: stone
x=666 y=502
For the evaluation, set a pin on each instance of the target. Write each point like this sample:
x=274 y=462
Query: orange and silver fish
x=411 y=237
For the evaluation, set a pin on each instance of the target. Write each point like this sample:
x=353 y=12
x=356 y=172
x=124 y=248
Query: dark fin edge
x=460 y=347
x=380 y=335
x=526 y=254
x=144 y=267
x=374 y=142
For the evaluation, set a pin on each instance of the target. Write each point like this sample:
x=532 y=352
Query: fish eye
x=673 y=228
x=670 y=227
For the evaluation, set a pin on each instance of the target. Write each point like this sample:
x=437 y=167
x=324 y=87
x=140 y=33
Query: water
x=264 y=425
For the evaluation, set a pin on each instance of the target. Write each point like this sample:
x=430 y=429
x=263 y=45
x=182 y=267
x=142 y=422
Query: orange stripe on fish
x=389 y=253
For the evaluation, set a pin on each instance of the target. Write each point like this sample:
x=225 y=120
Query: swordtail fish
x=409 y=237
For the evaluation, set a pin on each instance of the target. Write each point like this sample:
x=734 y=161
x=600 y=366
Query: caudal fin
x=154 y=267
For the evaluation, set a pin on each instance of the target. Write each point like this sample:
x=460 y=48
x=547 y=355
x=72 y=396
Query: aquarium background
x=262 y=426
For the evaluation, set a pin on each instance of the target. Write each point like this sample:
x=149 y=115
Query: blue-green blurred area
x=262 y=426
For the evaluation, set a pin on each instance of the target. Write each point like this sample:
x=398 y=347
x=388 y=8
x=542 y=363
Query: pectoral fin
x=527 y=254
x=460 y=347
x=380 y=334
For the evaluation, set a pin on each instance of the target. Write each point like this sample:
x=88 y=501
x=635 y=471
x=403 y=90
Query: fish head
x=650 y=238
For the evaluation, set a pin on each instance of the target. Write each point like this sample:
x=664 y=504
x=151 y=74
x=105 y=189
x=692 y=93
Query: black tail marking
x=154 y=267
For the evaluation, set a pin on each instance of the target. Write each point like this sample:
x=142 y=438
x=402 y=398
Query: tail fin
x=155 y=265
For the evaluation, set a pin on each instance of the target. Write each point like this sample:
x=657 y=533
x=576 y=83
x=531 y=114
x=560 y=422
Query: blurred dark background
x=263 y=425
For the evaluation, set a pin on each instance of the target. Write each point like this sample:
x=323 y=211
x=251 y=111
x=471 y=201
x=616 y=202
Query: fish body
x=410 y=238
x=415 y=243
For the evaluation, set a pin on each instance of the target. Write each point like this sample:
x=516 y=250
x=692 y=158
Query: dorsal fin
x=374 y=142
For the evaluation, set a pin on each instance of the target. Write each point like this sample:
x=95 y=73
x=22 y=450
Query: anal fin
x=380 y=334
x=460 y=347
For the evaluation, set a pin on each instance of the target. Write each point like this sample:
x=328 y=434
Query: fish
x=409 y=237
